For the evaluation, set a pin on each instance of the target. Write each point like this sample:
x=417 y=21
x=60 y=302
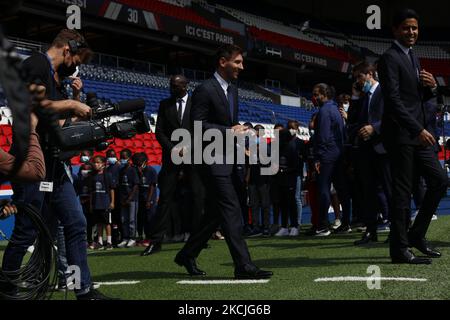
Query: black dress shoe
x=151 y=249
x=406 y=256
x=367 y=238
x=423 y=247
x=190 y=265
x=251 y=272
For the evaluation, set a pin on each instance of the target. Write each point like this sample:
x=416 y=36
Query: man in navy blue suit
x=406 y=87
x=215 y=105
x=371 y=159
x=329 y=155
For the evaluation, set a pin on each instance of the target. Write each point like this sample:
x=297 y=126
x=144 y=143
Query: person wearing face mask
x=329 y=158
x=113 y=168
x=68 y=50
x=83 y=189
x=371 y=163
x=128 y=194
x=85 y=156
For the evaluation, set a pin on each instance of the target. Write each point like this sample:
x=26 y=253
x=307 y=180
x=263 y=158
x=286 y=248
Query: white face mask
x=346 y=106
x=293 y=132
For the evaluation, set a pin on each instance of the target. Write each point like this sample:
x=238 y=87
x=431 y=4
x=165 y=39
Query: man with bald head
x=173 y=114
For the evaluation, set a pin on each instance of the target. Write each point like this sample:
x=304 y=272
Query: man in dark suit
x=215 y=106
x=173 y=114
x=410 y=146
x=371 y=162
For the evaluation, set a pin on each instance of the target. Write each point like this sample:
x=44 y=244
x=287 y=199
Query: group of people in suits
x=387 y=124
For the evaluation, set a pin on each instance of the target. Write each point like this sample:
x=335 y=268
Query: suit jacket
x=404 y=96
x=211 y=107
x=373 y=117
x=167 y=123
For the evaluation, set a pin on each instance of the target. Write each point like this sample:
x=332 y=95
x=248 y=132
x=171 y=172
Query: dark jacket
x=167 y=123
x=329 y=133
x=404 y=116
x=211 y=107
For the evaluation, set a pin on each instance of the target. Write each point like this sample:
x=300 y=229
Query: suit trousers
x=373 y=173
x=405 y=162
x=168 y=182
x=222 y=208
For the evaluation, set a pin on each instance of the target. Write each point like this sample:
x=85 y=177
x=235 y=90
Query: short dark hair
x=127 y=152
x=227 y=51
x=100 y=157
x=366 y=67
x=278 y=125
x=66 y=35
x=293 y=124
x=402 y=15
x=326 y=90
x=182 y=78
x=110 y=151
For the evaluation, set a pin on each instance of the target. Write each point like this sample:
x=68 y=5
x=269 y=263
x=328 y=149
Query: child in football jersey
x=102 y=200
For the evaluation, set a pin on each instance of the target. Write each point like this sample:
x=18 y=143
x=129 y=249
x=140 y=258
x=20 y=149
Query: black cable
x=37 y=278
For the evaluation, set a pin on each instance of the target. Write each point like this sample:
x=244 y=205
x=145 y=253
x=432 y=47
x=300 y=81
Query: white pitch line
x=364 y=279
x=222 y=281
x=116 y=283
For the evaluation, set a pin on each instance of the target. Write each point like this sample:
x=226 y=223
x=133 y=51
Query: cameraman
x=59 y=200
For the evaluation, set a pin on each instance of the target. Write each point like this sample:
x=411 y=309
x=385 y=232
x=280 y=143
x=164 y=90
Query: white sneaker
x=294 y=232
x=435 y=217
x=131 y=243
x=323 y=233
x=30 y=249
x=122 y=244
x=337 y=223
x=283 y=232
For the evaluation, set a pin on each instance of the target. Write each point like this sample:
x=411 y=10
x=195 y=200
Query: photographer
x=59 y=200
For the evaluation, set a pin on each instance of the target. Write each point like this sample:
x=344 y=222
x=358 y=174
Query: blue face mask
x=124 y=161
x=84 y=159
x=367 y=86
x=112 y=160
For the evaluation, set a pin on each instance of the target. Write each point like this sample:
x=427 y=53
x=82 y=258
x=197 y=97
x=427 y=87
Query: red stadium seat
x=7 y=130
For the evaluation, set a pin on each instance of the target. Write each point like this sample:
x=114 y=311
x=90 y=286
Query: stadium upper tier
x=117 y=85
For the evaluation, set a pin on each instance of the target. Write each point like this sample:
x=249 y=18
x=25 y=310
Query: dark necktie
x=365 y=114
x=413 y=61
x=180 y=110
x=230 y=97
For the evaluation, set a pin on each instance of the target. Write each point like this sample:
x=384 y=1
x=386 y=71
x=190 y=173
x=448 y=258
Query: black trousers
x=222 y=208
x=373 y=172
x=405 y=162
x=167 y=183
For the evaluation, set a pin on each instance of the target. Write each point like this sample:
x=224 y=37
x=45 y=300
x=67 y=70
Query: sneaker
x=94 y=294
x=30 y=249
x=186 y=236
x=384 y=227
x=294 y=232
x=91 y=246
x=108 y=246
x=283 y=232
x=131 y=243
x=337 y=223
x=145 y=243
x=322 y=233
x=343 y=229
x=218 y=236
x=266 y=232
x=98 y=246
x=122 y=244
x=274 y=229
x=435 y=217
